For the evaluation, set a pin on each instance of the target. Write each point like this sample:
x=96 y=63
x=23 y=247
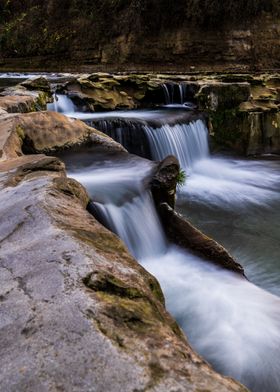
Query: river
x=232 y=322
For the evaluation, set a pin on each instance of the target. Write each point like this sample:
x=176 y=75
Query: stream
x=233 y=323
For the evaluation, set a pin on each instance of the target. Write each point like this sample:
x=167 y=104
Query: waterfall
x=176 y=93
x=150 y=134
x=121 y=200
x=62 y=104
x=144 y=239
x=187 y=142
x=167 y=96
x=234 y=324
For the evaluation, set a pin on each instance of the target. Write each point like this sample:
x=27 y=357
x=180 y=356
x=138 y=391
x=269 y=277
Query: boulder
x=48 y=132
x=164 y=181
x=38 y=84
x=219 y=96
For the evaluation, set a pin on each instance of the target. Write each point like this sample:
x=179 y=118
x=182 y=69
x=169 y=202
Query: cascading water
x=175 y=93
x=234 y=324
x=148 y=133
x=62 y=104
x=122 y=200
x=188 y=142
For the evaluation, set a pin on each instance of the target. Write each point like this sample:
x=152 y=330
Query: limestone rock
x=18 y=104
x=46 y=132
x=39 y=83
x=216 y=96
x=35 y=100
x=101 y=91
x=99 y=95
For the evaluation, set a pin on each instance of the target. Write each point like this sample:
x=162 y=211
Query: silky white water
x=234 y=324
x=188 y=142
x=62 y=104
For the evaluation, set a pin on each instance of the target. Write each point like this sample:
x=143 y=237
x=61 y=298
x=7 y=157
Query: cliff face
x=117 y=35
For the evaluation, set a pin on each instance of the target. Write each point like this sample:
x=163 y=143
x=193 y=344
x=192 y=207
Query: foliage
x=29 y=27
x=181 y=178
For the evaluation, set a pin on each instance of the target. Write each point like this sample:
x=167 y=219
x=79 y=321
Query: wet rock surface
x=184 y=234
x=49 y=132
x=164 y=181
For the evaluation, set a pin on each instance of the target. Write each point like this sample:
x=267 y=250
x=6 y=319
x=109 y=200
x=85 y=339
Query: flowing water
x=151 y=134
x=232 y=322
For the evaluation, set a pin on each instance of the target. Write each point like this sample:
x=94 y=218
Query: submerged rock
x=184 y=234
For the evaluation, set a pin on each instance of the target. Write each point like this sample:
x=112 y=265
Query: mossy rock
x=222 y=96
x=228 y=129
x=39 y=84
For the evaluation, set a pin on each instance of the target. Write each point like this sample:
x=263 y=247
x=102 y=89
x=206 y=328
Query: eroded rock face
x=17 y=104
x=101 y=91
x=218 y=95
x=46 y=132
x=78 y=313
x=31 y=95
x=243 y=111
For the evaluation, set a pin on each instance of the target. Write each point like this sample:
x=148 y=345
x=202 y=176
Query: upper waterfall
x=152 y=134
x=187 y=142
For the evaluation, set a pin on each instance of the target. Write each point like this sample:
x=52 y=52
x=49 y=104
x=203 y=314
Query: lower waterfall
x=232 y=323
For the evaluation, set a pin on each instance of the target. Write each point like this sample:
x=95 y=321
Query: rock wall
x=153 y=36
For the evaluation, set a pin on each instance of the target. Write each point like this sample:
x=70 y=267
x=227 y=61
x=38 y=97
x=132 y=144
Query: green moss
x=135 y=314
x=20 y=132
x=102 y=241
x=41 y=101
x=156 y=289
x=103 y=281
x=227 y=128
